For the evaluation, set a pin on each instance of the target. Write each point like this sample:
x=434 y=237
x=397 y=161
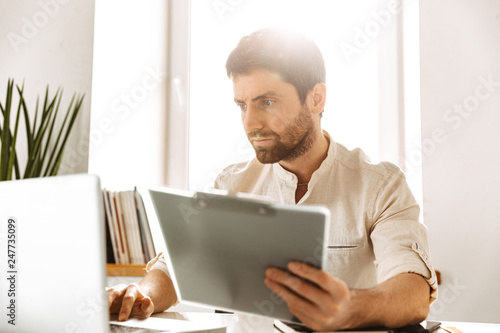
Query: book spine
x=111 y=226
x=143 y=220
x=131 y=227
x=124 y=251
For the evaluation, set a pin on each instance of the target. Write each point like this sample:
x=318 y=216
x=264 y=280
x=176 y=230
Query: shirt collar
x=290 y=178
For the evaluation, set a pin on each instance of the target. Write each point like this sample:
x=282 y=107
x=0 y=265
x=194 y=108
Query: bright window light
x=345 y=32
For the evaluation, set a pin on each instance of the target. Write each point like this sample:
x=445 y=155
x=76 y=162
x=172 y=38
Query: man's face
x=278 y=126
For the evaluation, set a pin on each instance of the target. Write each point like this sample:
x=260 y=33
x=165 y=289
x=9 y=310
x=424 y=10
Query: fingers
x=333 y=286
x=293 y=288
x=145 y=308
x=315 y=297
x=297 y=293
x=115 y=294
x=129 y=300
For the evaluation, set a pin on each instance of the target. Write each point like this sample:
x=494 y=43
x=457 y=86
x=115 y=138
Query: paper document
x=170 y=325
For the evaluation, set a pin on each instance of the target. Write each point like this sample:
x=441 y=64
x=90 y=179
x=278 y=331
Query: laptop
x=219 y=247
x=52 y=260
x=52 y=271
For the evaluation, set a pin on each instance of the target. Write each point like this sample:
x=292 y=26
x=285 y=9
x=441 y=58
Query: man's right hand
x=127 y=300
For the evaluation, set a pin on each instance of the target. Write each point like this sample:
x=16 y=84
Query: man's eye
x=242 y=107
x=268 y=102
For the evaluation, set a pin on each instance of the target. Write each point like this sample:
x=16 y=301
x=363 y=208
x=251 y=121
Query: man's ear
x=317 y=98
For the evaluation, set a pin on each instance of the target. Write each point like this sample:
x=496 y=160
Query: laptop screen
x=52 y=271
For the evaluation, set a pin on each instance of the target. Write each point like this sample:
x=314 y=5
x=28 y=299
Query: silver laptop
x=52 y=261
x=219 y=247
x=52 y=257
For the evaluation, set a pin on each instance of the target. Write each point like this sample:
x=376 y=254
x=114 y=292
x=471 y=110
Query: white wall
x=460 y=101
x=50 y=42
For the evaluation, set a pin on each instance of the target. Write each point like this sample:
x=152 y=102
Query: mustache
x=262 y=134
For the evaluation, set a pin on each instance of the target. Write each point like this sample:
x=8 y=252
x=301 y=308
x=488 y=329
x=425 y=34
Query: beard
x=293 y=142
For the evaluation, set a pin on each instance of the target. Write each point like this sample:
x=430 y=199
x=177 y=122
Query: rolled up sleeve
x=158 y=263
x=399 y=240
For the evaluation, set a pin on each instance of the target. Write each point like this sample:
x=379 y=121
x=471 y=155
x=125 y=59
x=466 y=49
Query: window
x=346 y=32
x=201 y=133
x=126 y=139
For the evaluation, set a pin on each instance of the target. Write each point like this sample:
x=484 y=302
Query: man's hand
x=322 y=302
x=317 y=299
x=127 y=300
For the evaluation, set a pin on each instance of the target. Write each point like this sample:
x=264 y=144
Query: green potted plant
x=45 y=138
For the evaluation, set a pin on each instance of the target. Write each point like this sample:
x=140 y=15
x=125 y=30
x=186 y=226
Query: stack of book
x=128 y=232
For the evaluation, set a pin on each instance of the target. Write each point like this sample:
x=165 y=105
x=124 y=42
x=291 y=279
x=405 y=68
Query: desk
x=471 y=327
x=235 y=323
x=242 y=323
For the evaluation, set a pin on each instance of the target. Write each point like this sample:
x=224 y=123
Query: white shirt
x=375 y=233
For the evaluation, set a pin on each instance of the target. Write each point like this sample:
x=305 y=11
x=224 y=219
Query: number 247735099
x=11 y=244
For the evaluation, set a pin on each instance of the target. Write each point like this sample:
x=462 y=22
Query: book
x=127 y=225
x=113 y=241
x=127 y=206
x=110 y=255
x=147 y=237
x=120 y=228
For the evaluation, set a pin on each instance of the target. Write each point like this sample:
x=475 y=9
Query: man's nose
x=252 y=118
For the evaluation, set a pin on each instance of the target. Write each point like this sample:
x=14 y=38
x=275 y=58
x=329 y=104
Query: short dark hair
x=296 y=58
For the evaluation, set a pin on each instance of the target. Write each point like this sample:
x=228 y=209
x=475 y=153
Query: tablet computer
x=219 y=247
x=423 y=327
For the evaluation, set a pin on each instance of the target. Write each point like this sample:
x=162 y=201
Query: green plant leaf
x=33 y=168
x=44 y=157
x=13 y=153
x=54 y=155
x=49 y=136
x=29 y=135
x=6 y=136
x=74 y=113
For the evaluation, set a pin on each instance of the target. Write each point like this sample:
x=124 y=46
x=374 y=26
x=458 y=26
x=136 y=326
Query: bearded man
x=378 y=272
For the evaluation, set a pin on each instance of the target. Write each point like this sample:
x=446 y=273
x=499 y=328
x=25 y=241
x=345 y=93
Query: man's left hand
x=316 y=298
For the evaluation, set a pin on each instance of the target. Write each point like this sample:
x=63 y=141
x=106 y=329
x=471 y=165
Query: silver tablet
x=219 y=247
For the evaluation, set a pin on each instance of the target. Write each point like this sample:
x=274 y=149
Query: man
x=378 y=270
